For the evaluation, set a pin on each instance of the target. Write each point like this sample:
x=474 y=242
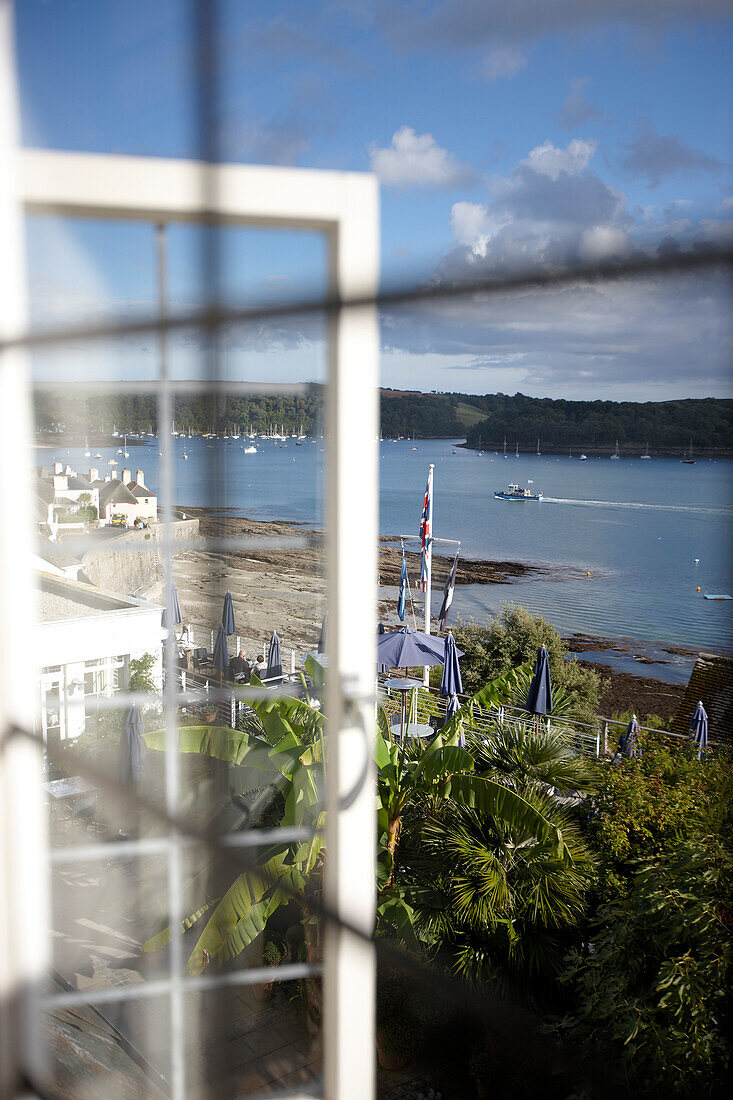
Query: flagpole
x=429 y=566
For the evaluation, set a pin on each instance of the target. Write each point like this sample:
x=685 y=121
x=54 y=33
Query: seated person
x=239 y=667
x=261 y=667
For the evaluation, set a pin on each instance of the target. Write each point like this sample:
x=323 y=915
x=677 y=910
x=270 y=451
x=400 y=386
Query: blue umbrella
x=221 y=651
x=699 y=729
x=451 y=684
x=451 y=709
x=539 y=696
x=627 y=741
x=406 y=647
x=274 y=660
x=402 y=594
x=321 y=647
x=132 y=748
x=381 y=668
x=175 y=607
x=227 y=615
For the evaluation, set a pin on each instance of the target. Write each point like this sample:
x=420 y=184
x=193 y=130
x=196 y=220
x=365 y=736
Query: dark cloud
x=670 y=335
x=576 y=110
x=654 y=156
x=470 y=24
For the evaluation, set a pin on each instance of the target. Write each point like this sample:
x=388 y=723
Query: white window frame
x=344 y=206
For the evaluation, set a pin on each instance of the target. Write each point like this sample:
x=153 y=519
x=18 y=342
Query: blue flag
x=403 y=590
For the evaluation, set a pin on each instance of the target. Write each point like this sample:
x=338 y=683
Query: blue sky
x=503 y=135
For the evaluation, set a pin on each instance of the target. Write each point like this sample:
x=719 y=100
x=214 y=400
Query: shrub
x=653 y=986
x=648 y=804
x=140 y=678
x=513 y=637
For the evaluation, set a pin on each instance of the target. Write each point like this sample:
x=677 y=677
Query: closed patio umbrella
x=227 y=615
x=274 y=659
x=221 y=650
x=699 y=729
x=381 y=669
x=539 y=696
x=321 y=648
x=175 y=608
x=132 y=748
x=451 y=684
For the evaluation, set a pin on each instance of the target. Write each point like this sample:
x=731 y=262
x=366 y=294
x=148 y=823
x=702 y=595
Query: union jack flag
x=426 y=530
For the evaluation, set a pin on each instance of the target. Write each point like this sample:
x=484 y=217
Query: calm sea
x=648 y=532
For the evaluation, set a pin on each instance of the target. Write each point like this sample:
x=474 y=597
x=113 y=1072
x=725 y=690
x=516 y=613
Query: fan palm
x=530 y=758
x=492 y=892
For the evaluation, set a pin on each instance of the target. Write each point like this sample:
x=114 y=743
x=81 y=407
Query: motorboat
x=250 y=450
x=583 y=458
x=514 y=492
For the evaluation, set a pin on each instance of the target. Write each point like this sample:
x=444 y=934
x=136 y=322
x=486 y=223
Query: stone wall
x=118 y=569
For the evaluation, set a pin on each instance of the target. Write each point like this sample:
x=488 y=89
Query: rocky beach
x=281 y=586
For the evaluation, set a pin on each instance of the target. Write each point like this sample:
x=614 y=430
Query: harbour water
x=648 y=533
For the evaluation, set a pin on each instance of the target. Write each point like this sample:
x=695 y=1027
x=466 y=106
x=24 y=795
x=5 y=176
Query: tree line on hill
x=589 y=424
x=483 y=420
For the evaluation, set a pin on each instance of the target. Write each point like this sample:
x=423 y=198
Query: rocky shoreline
x=282 y=587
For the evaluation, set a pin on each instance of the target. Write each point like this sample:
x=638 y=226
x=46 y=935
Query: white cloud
x=502 y=63
x=603 y=242
x=472 y=225
x=416 y=160
x=548 y=160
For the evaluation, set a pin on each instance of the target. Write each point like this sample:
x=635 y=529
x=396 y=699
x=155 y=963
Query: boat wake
x=698 y=509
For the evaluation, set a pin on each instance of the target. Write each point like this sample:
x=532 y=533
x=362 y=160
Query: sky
x=504 y=136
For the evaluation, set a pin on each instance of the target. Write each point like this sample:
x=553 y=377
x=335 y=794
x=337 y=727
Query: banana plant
x=287 y=748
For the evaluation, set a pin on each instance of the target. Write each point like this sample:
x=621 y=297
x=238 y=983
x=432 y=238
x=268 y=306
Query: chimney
x=58 y=467
x=94 y=474
x=139 y=477
x=126 y=478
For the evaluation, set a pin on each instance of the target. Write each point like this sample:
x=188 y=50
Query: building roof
x=61 y=597
x=712 y=683
x=77 y=482
x=139 y=490
x=114 y=492
x=45 y=491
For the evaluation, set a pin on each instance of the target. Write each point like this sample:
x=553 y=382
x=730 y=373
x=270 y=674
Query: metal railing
x=588 y=738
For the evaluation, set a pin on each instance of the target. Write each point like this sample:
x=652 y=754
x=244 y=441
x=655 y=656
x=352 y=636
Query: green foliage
x=140 y=678
x=512 y=639
x=487 y=885
x=648 y=805
x=531 y=759
x=488 y=418
x=284 y=743
x=599 y=423
x=652 y=988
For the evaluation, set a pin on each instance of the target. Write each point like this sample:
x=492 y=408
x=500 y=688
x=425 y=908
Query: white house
x=63 y=492
x=147 y=500
x=85 y=640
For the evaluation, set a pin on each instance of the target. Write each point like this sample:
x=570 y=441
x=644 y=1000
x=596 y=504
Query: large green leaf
x=164 y=937
x=241 y=914
x=497 y=693
x=494 y=798
x=445 y=760
x=280 y=714
x=315 y=670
